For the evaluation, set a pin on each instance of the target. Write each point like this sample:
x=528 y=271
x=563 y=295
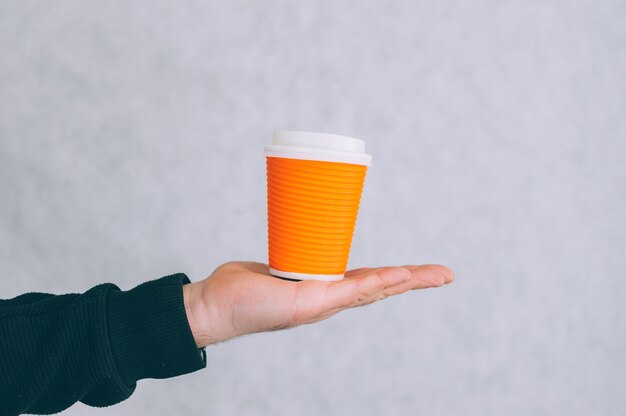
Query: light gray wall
x=131 y=139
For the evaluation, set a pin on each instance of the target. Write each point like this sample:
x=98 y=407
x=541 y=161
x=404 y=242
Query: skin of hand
x=243 y=298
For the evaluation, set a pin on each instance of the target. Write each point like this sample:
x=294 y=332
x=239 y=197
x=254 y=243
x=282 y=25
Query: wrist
x=196 y=312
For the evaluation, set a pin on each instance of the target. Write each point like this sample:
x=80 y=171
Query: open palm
x=242 y=297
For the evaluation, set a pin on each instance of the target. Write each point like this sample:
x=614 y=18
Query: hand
x=243 y=298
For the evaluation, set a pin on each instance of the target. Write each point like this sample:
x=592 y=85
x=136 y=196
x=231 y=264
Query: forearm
x=91 y=347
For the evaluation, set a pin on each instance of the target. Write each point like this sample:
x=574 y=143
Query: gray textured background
x=131 y=139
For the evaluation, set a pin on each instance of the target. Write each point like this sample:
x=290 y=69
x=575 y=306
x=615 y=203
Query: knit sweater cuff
x=149 y=332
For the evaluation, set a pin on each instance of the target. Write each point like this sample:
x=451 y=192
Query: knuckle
x=362 y=292
x=224 y=266
x=368 y=289
x=284 y=324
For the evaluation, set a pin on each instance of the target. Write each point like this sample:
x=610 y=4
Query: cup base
x=305 y=276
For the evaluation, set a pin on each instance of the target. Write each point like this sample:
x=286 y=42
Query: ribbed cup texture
x=312 y=210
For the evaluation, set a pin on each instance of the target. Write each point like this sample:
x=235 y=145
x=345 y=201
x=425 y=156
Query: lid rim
x=307 y=153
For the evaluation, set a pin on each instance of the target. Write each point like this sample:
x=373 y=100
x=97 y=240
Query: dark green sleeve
x=93 y=347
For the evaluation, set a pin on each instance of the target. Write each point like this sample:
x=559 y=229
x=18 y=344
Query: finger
x=357 y=272
x=365 y=288
x=423 y=277
x=429 y=275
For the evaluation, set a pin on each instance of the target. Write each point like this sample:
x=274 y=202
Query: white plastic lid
x=318 y=146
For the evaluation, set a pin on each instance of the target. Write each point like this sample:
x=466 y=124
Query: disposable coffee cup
x=314 y=186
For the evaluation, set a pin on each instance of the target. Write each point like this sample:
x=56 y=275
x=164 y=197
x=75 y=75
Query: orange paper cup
x=314 y=185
